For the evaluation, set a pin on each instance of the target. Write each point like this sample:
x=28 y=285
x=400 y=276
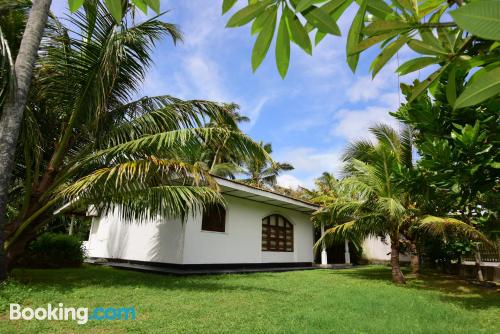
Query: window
x=214 y=219
x=277 y=234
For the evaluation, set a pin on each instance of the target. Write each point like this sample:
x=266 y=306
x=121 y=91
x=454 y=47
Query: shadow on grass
x=65 y=280
x=449 y=288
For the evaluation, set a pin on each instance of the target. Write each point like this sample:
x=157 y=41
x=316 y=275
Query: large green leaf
x=298 y=33
x=304 y=4
x=451 y=87
x=261 y=20
x=387 y=53
x=263 y=42
x=422 y=86
x=378 y=8
x=321 y=20
x=368 y=42
x=336 y=8
x=355 y=36
x=141 y=4
x=246 y=14
x=227 y=5
x=381 y=27
x=416 y=64
x=429 y=39
x=74 y=5
x=115 y=9
x=425 y=48
x=283 y=47
x=481 y=18
x=154 y=5
x=485 y=85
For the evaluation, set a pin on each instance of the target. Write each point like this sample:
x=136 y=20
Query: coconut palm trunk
x=12 y=113
x=414 y=259
x=478 y=262
x=397 y=275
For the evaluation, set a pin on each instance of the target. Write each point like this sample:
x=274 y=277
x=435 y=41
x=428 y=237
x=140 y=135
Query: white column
x=346 y=254
x=71 y=225
x=324 y=256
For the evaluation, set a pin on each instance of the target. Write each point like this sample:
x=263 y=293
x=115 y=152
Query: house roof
x=245 y=191
x=240 y=190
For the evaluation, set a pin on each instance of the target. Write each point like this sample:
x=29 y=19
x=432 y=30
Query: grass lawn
x=361 y=300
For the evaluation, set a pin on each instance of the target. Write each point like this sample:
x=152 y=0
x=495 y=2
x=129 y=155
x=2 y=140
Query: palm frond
x=7 y=76
x=135 y=175
x=352 y=231
x=386 y=135
x=165 y=113
x=166 y=201
x=440 y=226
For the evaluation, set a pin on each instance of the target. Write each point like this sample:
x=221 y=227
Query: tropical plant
x=84 y=141
x=458 y=154
x=373 y=199
x=469 y=42
x=18 y=82
x=17 y=77
x=263 y=173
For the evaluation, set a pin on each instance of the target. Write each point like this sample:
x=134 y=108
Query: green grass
x=361 y=300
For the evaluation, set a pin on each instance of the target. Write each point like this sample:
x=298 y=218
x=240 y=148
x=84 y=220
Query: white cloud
x=253 y=112
x=289 y=181
x=205 y=78
x=354 y=124
x=310 y=162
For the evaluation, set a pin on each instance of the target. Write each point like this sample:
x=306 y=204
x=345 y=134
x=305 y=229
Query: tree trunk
x=414 y=260
x=477 y=257
x=397 y=275
x=12 y=113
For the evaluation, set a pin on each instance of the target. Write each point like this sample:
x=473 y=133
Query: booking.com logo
x=81 y=314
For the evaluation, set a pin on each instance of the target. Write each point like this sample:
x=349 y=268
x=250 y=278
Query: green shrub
x=52 y=250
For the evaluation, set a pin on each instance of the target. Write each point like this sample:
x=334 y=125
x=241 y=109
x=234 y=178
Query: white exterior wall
x=174 y=242
x=154 y=240
x=241 y=242
x=376 y=250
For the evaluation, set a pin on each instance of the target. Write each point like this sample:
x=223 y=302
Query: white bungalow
x=257 y=229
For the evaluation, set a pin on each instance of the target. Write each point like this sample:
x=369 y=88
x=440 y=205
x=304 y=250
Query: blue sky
x=308 y=117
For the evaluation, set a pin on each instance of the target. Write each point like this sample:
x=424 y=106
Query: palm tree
x=15 y=101
x=374 y=200
x=263 y=173
x=84 y=142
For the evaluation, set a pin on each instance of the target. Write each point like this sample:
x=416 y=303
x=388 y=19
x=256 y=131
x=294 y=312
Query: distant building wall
x=377 y=250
